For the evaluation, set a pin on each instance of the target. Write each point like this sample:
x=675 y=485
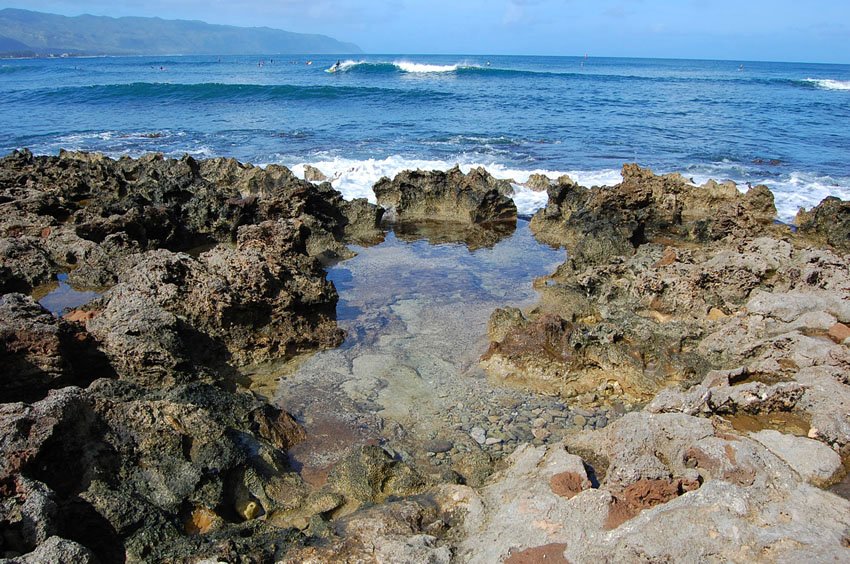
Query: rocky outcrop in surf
x=451 y=196
x=597 y=223
x=451 y=206
x=81 y=212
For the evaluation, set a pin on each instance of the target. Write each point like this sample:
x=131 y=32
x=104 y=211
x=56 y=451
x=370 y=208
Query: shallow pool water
x=60 y=297
x=407 y=375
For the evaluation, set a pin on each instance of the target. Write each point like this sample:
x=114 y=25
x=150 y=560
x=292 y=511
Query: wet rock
x=362 y=221
x=370 y=475
x=449 y=196
x=40 y=352
x=313 y=174
x=474 y=466
x=598 y=223
x=474 y=236
x=827 y=222
x=401 y=531
x=538 y=182
x=438 y=446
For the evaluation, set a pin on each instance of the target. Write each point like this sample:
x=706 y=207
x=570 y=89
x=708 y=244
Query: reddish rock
x=80 y=315
x=839 y=332
x=669 y=257
x=567 y=484
x=553 y=553
x=644 y=494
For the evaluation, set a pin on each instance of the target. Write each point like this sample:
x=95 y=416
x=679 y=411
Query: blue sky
x=774 y=30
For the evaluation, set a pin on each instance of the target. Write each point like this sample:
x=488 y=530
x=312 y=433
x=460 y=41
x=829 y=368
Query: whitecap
x=355 y=178
x=829 y=84
x=408 y=66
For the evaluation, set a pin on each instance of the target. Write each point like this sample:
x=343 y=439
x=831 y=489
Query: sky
x=748 y=30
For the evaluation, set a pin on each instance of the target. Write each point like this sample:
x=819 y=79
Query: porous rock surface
x=473 y=198
x=727 y=330
x=671 y=487
x=719 y=340
x=124 y=436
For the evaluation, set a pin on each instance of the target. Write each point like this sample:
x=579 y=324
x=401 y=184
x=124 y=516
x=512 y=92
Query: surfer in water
x=335 y=66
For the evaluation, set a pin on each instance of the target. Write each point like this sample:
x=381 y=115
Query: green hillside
x=98 y=35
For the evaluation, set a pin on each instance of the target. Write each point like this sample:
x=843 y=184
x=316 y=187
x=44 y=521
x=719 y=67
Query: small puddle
x=60 y=297
x=782 y=421
x=415 y=313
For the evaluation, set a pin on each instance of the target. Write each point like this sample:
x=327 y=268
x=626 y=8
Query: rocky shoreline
x=701 y=347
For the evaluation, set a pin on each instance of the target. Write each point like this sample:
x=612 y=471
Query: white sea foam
x=408 y=66
x=791 y=192
x=802 y=190
x=830 y=84
x=355 y=178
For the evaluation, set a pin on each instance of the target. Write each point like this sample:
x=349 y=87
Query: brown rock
x=549 y=553
x=202 y=521
x=644 y=494
x=568 y=484
x=80 y=315
x=669 y=257
x=839 y=332
x=716 y=314
x=538 y=182
x=313 y=174
x=829 y=222
x=476 y=197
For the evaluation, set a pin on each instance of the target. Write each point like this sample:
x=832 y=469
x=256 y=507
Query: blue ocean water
x=786 y=125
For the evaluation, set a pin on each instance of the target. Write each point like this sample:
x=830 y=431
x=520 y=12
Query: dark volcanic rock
x=450 y=196
x=156 y=202
x=143 y=461
x=828 y=222
x=263 y=299
x=39 y=352
x=24 y=264
x=597 y=223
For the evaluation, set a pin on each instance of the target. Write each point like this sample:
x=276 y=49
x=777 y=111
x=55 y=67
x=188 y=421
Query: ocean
x=786 y=125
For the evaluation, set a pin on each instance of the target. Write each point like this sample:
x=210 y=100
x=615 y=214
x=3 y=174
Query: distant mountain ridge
x=36 y=33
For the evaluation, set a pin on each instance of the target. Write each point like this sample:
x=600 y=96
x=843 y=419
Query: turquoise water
x=783 y=124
